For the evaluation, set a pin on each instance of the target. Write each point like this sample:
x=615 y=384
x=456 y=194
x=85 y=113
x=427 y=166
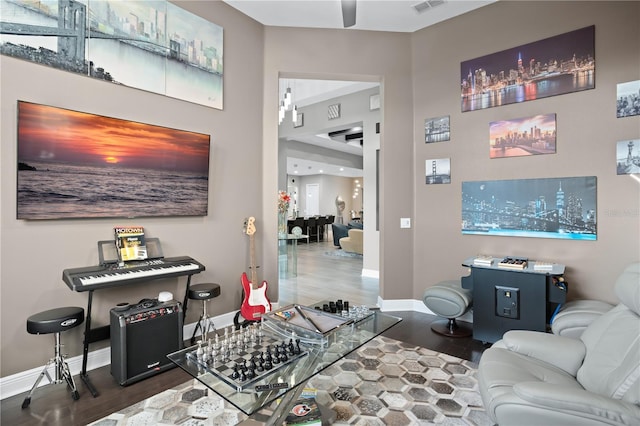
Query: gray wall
x=419 y=76
x=587 y=132
x=35 y=253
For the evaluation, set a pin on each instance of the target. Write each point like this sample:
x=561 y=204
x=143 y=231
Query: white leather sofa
x=535 y=378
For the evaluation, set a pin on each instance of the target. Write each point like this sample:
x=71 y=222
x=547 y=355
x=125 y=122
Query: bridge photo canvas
x=563 y=208
x=149 y=45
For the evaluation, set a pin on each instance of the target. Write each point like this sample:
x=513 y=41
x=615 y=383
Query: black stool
x=55 y=321
x=203 y=292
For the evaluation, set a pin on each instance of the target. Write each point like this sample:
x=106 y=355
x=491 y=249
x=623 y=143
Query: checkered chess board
x=245 y=362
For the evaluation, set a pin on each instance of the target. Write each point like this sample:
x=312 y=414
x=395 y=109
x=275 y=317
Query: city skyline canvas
x=523 y=136
x=559 y=208
x=437 y=129
x=554 y=66
x=149 y=45
x=74 y=164
x=628 y=99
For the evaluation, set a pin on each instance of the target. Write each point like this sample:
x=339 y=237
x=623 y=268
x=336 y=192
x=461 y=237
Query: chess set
x=242 y=358
x=345 y=309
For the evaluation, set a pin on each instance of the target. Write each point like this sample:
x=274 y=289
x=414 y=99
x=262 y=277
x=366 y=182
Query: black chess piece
x=260 y=366
x=243 y=376
x=298 y=350
x=235 y=373
x=251 y=373
x=268 y=365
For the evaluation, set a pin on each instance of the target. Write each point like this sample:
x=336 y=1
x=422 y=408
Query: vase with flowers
x=283 y=208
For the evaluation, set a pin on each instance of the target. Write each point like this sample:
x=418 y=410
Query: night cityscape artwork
x=74 y=164
x=563 y=208
x=150 y=45
x=523 y=136
x=437 y=129
x=554 y=66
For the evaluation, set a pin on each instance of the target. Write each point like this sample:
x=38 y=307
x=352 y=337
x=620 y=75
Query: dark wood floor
x=53 y=405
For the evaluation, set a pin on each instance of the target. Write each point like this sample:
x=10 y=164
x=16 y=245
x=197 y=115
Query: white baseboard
x=371 y=273
x=24 y=380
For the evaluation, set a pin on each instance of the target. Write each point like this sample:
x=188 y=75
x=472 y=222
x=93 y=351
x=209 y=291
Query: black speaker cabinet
x=142 y=336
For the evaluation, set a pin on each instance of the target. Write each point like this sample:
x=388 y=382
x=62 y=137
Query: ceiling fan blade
x=349 y=13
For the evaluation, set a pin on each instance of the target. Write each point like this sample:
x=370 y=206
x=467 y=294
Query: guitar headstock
x=250 y=225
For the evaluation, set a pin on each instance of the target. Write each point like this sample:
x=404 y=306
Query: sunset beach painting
x=79 y=165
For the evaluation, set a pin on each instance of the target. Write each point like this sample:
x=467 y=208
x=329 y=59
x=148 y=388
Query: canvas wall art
x=563 y=208
x=150 y=45
x=438 y=171
x=554 y=66
x=628 y=157
x=628 y=99
x=437 y=129
x=74 y=164
x=523 y=136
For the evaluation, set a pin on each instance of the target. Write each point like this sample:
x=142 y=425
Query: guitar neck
x=252 y=255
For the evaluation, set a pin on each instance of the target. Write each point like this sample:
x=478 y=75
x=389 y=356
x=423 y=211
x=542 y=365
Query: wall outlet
x=405 y=222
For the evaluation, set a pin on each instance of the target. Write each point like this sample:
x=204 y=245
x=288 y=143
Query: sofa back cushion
x=612 y=364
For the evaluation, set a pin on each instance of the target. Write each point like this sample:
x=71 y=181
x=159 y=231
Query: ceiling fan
x=348 y=13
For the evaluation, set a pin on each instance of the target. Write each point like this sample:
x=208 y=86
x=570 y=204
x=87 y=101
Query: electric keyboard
x=104 y=276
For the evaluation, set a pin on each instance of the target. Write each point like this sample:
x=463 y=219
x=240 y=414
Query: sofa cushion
x=353 y=243
x=339 y=231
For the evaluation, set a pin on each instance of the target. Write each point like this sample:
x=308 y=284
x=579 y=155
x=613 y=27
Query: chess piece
x=235 y=373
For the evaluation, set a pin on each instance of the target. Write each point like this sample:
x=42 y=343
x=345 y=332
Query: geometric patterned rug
x=385 y=382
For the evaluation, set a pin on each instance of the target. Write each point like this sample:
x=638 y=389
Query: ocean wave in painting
x=56 y=191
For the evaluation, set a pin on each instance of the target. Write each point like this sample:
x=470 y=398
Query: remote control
x=260 y=388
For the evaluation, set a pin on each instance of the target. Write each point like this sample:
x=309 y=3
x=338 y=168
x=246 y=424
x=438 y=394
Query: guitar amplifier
x=142 y=336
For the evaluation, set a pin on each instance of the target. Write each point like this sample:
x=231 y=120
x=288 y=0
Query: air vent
x=426 y=5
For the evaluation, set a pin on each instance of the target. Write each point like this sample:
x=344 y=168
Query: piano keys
x=105 y=276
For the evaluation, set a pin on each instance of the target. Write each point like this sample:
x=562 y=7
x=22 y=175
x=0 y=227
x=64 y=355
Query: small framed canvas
x=300 y=120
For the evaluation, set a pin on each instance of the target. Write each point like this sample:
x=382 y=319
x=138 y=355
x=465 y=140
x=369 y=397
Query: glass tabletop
x=252 y=394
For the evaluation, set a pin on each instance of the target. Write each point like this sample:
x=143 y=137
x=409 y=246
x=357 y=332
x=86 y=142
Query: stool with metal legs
x=203 y=292
x=55 y=321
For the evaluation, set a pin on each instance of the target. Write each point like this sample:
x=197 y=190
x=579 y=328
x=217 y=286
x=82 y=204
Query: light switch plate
x=405 y=222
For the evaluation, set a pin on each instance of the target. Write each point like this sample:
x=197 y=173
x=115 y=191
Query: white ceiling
x=375 y=15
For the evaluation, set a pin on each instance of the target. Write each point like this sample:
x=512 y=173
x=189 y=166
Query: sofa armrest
x=575 y=317
x=579 y=401
x=562 y=352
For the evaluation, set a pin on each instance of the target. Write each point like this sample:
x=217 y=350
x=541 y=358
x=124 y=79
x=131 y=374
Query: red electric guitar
x=255 y=301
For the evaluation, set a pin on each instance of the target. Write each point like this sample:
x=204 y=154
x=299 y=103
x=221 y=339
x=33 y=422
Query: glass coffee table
x=254 y=389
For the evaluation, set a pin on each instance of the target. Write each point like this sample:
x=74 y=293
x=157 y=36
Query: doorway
x=335 y=122
x=313 y=199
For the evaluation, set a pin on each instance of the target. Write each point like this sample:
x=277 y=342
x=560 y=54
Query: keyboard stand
x=103 y=333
